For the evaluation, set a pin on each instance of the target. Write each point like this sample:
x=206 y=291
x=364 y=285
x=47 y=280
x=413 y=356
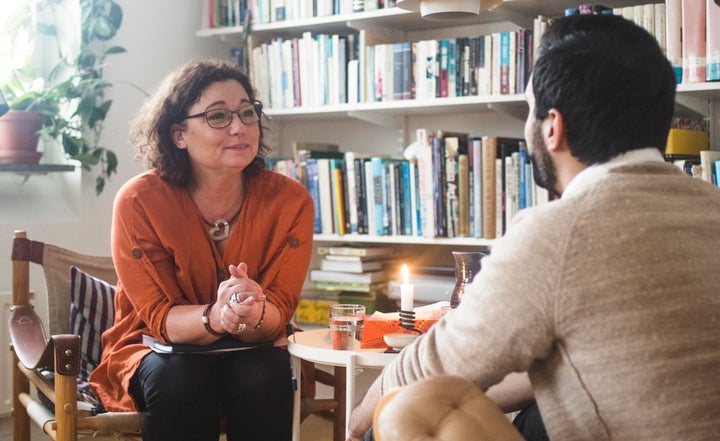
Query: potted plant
x=70 y=100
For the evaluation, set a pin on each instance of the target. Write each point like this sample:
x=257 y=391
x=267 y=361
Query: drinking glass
x=347 y=322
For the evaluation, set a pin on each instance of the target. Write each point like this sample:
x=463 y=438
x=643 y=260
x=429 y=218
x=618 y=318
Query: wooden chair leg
x=20 y=417
x=67 y=366
x=340 y=410
x=21 y=296
x=66 y=408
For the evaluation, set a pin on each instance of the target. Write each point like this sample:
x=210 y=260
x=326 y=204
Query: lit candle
x=406 y=290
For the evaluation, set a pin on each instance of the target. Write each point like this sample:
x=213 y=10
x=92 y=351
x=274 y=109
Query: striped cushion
x=91 y=313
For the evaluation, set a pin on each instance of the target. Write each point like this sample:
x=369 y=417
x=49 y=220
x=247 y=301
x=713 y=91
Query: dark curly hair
x=151 y=131
x=611 y=82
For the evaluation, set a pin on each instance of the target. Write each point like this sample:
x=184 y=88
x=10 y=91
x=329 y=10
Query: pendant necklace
x=220 y=230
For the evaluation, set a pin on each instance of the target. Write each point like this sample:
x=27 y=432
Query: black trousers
x=184 y=395
x=530 y=424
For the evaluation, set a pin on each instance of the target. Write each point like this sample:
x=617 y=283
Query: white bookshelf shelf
x=405 y=240
x=501 y=114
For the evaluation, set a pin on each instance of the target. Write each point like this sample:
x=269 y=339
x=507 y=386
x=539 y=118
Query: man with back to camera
x=609 y=297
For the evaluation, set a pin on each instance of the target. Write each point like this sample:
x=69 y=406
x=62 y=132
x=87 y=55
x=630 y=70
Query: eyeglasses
x=221 y=118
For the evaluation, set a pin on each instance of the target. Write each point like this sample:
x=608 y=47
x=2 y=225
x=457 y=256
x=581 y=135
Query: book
x=305 y=150
x=505 y=181
x=369 y=198
x=660 y=26
x=352 y=266
x=475 y=184
x=337 y=190
x=452 y=183
x=326 y=205
x=379 y=196
x=489 y=218
x=712 y=50
x=224 y=344
x=693 y=41
x=673 y=36
x=357 y=251
x=406 y=201
x=463 y=196
x=707 y=159
x=442 y=80
x=313 y=186
x=341 y=258
x=425 y=183
x=494 y=151
x=319 y=275
x=421 y=68
x=355 y=198
x=349 y=286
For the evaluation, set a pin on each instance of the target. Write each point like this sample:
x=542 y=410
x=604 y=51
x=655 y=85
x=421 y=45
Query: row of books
x=323 y=69
x=270 y=11
x=223 y=13
x=705 y=166
x=307 y=71
x=453 y=185
x=687 y=30
x=494 y=64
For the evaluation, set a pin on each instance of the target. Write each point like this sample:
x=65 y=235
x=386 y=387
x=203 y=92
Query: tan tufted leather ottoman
x=443 y=408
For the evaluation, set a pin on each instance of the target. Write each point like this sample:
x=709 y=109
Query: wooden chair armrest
x=34 y=350
x=28 y=339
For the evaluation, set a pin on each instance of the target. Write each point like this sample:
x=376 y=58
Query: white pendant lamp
x=444 y=10
x=448 y=10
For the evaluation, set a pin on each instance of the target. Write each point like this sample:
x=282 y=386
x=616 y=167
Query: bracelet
x=262 y=317
x=206 y=322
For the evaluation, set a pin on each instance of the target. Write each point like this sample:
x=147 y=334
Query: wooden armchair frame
x=34 y=351
x=60 y=353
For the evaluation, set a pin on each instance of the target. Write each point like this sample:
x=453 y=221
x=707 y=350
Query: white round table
x=315 y=346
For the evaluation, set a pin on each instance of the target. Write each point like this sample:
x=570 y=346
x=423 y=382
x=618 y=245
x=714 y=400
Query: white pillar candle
x=406 y=290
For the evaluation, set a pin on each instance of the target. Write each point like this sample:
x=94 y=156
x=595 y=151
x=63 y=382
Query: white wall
x=62 y=207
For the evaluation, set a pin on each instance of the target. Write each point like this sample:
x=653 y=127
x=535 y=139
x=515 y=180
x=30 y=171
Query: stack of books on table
x=346 y=275
x=356 y=269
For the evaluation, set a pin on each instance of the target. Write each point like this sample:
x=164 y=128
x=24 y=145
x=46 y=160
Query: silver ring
x=234 y=298
x=241 y=328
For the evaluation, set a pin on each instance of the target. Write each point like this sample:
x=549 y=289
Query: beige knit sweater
x=610 y=299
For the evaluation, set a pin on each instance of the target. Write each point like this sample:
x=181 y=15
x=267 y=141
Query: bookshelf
x=389 y=126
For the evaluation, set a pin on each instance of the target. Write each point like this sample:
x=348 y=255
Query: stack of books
x=347 y=275
x=356 y=269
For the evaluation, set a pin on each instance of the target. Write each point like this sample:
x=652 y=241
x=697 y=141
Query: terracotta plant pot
x=19 y=138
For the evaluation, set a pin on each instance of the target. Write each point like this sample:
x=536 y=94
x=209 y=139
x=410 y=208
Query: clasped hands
x=241 y=301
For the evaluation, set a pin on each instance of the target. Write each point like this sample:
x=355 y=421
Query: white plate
x=399 y=341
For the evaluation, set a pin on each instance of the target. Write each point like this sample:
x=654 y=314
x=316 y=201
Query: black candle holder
x=407 y=321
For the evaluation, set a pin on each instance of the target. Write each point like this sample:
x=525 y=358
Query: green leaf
x=112 y=162
x=115 y=15
x=115 y=50
x=72 y=145
x=99 y=185
x=47 y=29
x=103 y=29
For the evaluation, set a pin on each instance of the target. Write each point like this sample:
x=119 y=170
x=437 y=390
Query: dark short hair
x=610 y=81
x=151 y=130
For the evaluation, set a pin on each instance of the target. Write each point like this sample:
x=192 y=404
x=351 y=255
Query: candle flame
x=405 y=274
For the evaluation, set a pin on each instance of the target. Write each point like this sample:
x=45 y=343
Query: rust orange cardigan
x=164 y=257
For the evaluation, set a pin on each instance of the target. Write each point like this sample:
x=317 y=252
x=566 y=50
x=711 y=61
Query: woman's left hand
x=245 y=301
